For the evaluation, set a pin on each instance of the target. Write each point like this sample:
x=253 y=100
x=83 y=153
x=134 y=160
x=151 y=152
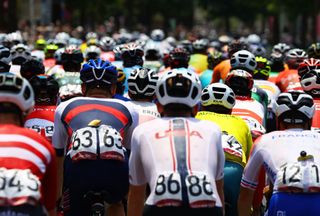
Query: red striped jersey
x=78 y=112
x=175 y=156
x=21 y=148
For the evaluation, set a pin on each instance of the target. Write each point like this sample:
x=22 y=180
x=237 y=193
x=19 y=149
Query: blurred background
x=291 y=21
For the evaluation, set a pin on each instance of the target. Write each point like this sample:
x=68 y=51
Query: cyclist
x=310 y=83
x=5 y=59
x=107 y=44
x=241 y=82
x=308 y=65
x=49 y=51
x=289 y=79
x=152 y=56
x=179 y=157
x=41 y=119
x=198 y=59
x=92 y=52
x=27 y=161
x=217 y=101
x=31 y=68
x=91 y=129
x=293 y=191
x=142 y=85
x=69 y=81
x=120 y=86
x=20 y=53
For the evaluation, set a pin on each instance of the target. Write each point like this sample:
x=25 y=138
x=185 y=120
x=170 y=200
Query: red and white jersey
x=252 y=112
x=270 y=88
x=108 y=56
x=41 y=120
x=275 y=150
x=147 y=111
x=180 y=158
x=22 y=149
x=316 y=116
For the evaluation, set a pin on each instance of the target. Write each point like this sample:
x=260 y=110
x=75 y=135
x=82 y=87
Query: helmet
x=294 y=107
x=20 y=53
x=186 y=44
x=91 y=35
x=62 y=37
x=75 y=41
x=72 y=54
x=107 y=43
x=253 y=39
x=152 y=52
x=157 y=35
x=16 y=90
x=92 y=52
x=46 y=88
x=276 y=61
x=235 y=46
x=224 y=39
x=314 y=51
x=142 y=81
x=243 y=59
x=31 y=68
x=124 y=38
x=294 y=57
x=214 y=58
x=57 y=55
x=171 y=41
x=179 y=57
x=258 y=50
x=240 y=81
x=60 y=43
x=281 y=48
x=40 y=44
x=132 y=54
x=262 y=70
x=310 y=82
x=98 y=71
x=15 y=38
x=5 y=59
x=180 y=86
x=200 y=45
x=49 y=50
x=218 y=94
x=117 y=52
x=308 y=65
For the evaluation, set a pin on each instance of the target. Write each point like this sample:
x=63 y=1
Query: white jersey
x=270 y=88
x=278 y=152
x=147 y=111
x=180 y=158
x=253 y=113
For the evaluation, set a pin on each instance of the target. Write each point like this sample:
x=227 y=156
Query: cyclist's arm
x=136 y=200
x=245 y=201
x=220 y=170
x=219 y=184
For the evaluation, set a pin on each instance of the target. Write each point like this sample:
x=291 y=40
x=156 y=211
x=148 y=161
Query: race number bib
x=255 y=127
x=168 y=190
x=298 y=177
x=18 y=187
x=44 y=127
x=231 y=145
x=91 y=143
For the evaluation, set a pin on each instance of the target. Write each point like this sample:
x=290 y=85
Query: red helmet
x=240 y=81
x=308 y=65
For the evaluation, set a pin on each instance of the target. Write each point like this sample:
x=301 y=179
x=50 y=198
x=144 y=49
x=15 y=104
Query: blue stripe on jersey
x=180 y=145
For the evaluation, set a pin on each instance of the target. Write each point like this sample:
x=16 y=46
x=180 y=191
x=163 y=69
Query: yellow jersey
x=236 y=135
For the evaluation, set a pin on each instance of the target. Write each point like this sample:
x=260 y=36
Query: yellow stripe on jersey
x=235 y=126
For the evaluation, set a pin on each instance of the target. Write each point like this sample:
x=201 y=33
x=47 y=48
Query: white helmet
x=218 y=94
x=310 y=82
x=180 y=86
x=253 y=39
x=5 y=55
x=16 y=90
x=92 y=52
x=143 y=81
x=294 y=107
x=244 y=60
x=157 y=35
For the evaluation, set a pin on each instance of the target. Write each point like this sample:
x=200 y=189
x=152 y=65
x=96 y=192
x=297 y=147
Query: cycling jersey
x=273 y=76
x=199 y=62
x=235 y=131
x=185 y=152
x=205 y=78
x=154 y=65
x=316 y=116
x=107 y=56
x=50 y=62
x=288 y=80
x=252 y=112
x=270 y=88
x=147 y=111
x=41 y=120
x=28 y=164
x=70 y=84
x=278 y=152
x=221 y=71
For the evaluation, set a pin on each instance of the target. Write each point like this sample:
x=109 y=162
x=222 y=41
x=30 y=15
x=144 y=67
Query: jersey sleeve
x=60 y=135
x=251 y=172
x=220 y=158
x=136 y=171
x=249 y=142
x=135 y=119
x=50 y=184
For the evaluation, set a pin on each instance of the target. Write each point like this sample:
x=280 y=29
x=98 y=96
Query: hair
x=137 y=97
x=176 y=108
x=10 y=108
x=217 y=109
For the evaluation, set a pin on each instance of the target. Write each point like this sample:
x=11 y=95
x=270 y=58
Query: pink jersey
x=277 y=150
x=180 y=158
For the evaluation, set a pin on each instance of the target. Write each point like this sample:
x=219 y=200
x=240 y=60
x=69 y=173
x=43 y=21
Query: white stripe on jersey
x=27 y=140
x=23 y=154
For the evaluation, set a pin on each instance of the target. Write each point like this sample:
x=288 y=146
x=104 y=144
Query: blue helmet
x=98 y=71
